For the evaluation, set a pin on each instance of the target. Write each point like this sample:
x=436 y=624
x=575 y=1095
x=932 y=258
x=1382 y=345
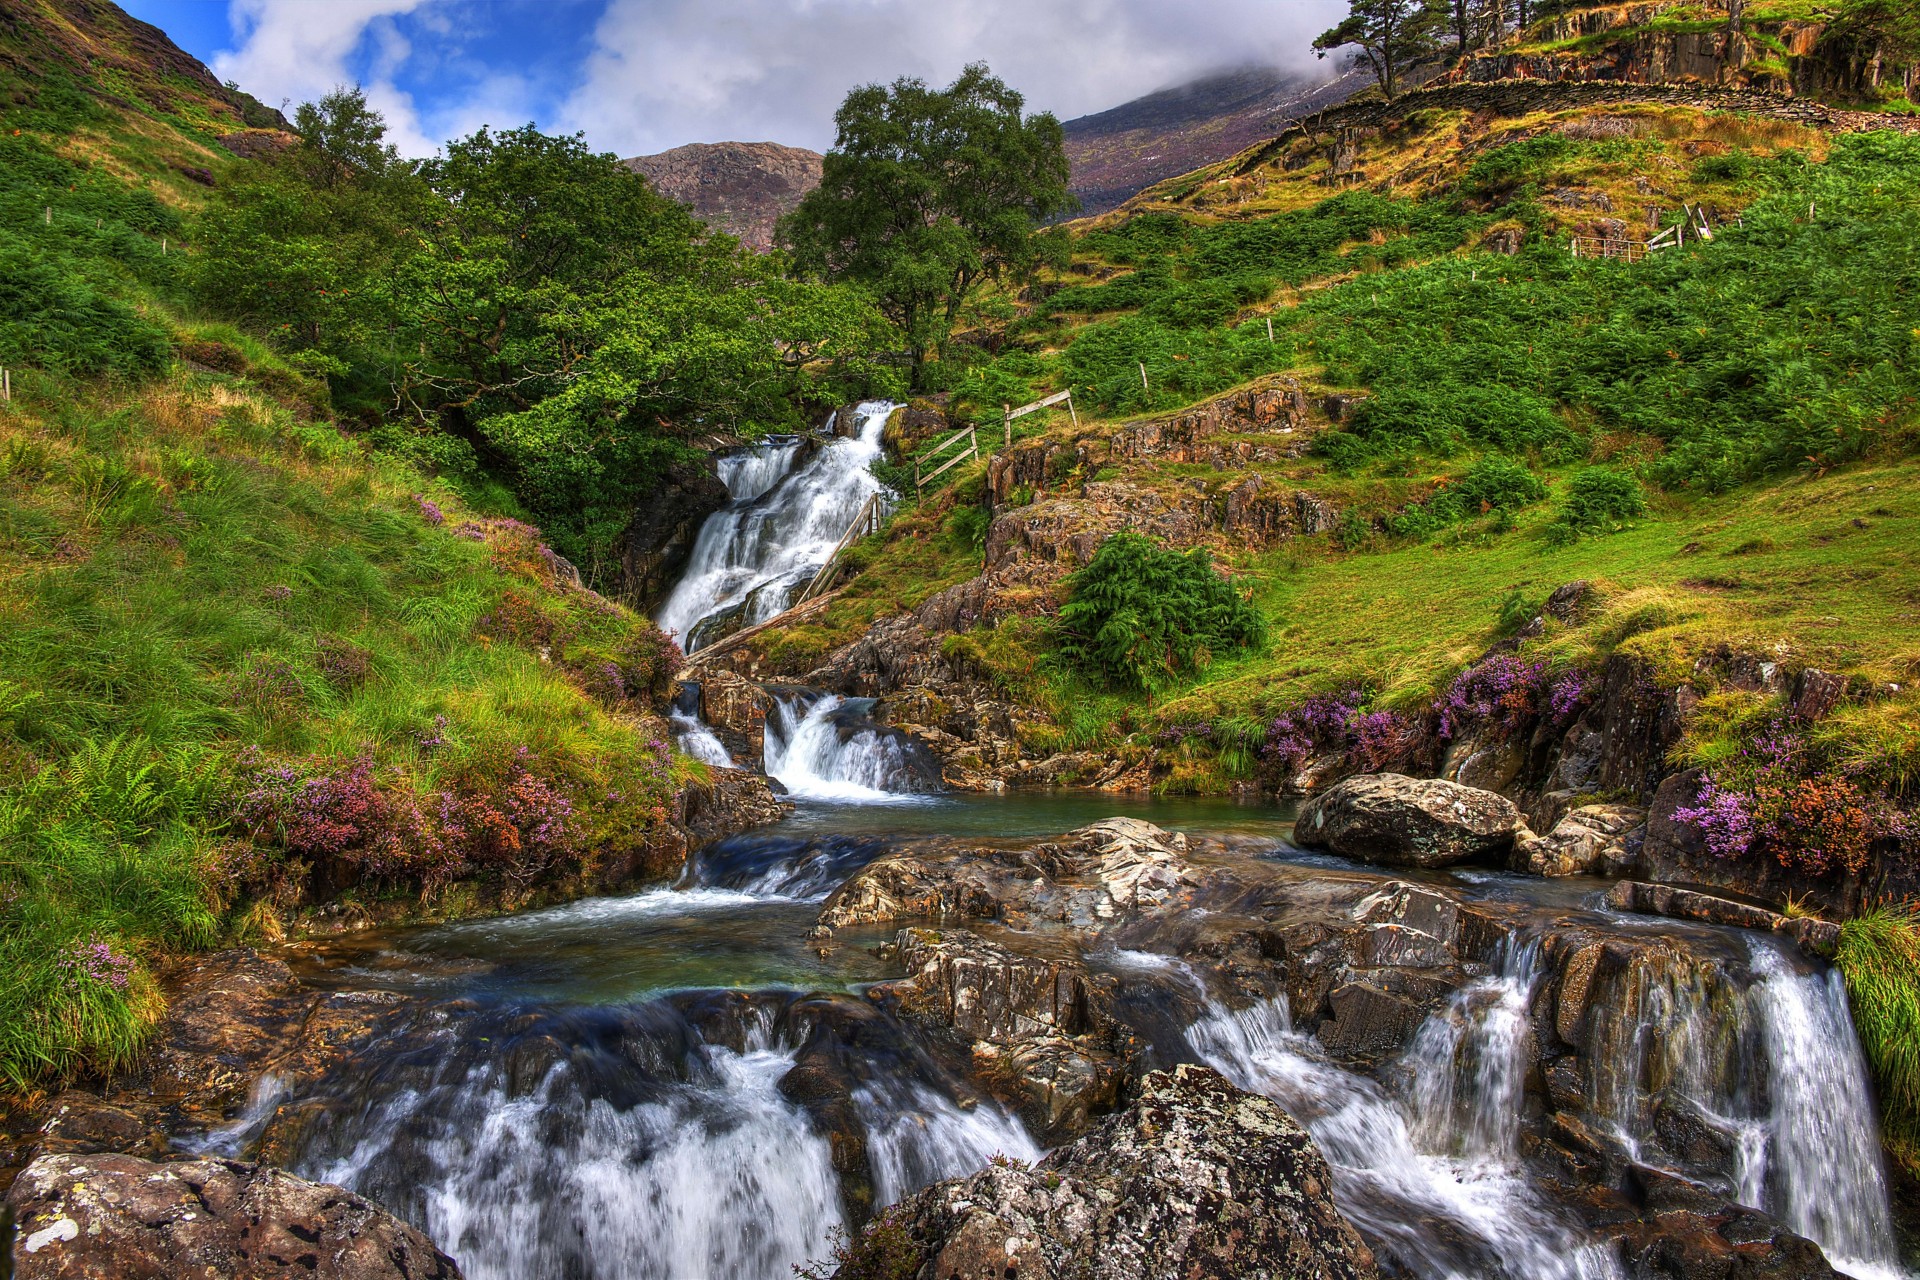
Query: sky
x=639 y=76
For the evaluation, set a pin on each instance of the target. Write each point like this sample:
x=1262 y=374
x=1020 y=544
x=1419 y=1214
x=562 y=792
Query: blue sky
x=643 y=75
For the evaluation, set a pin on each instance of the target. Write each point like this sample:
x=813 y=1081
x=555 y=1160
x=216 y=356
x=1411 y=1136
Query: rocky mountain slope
x=1121 y=151
x=741 y=188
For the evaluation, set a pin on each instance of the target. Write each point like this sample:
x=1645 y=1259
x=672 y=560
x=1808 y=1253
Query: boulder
x=1595 y=839
x=1408 y=822
x=117 y=1217
x=1195 y=1179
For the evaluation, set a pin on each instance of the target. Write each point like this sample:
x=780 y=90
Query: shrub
x=1140 y=615
x=1502 y=692
x=1599 y=497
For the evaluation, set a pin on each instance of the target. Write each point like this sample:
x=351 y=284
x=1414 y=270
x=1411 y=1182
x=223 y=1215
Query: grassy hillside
x=250 y=670
x=1745 y=409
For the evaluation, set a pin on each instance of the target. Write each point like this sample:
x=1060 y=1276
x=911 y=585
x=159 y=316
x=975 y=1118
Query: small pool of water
x=1026 y=813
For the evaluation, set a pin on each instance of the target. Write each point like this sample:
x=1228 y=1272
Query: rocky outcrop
x=741 y=188
x=1194 y=1179
x=657 y=541
x=1597 y=839
x=1409 y=822
x=117 y=1217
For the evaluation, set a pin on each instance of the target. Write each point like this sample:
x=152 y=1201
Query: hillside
x=255 y=678
x=741 y=188
x=1121 y=151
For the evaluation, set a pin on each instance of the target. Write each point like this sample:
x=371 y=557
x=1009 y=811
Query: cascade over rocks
x=1409 y=822
x=657 y=541
x=1195 y=1178
x=116 y=1217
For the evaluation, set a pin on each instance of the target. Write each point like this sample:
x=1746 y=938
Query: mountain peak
x=741 y=188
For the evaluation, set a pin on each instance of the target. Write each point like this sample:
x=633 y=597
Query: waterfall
x=1399 y=1178
x=1824 y=1174
x=824 y=749
x=916 y=1137
x=782 y=867
x=695 y=736
x=1467 y=1067
x=777 y=531
x=713 y=1176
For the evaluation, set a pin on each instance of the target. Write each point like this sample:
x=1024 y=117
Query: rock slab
x=1399 y=821
x=114 y=1217
x=1196 y=1179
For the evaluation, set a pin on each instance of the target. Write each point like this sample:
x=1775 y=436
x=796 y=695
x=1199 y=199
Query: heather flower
x=428 y=510
x=1570 y=692
x=471 y=530
x=1320 y=723
x=97 y=961
x=278 y=593
x=1723 y=819
x=1379 y=738
x=436 y=737
x=1502 y=691
x=345 y=664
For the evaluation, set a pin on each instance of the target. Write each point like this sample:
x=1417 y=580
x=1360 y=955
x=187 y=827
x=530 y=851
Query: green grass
x=181 y=568
x=1880 y=956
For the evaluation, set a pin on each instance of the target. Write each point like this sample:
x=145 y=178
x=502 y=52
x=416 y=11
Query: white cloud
x=298 y=50
x=665 y=72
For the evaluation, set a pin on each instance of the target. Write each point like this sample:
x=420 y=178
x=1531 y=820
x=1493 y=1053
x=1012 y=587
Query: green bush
x=1598 y=498
x=1141 y=615
x=1493 y=484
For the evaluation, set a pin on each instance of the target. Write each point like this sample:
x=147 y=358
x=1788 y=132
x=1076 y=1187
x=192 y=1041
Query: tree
x=927 y=195
x=343 y=141
x=1390 y=34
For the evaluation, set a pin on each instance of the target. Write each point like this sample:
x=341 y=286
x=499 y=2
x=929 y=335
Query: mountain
x=741 y=188
x=1121 y=151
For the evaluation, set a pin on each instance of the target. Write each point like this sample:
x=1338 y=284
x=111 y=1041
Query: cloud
x=666 y=72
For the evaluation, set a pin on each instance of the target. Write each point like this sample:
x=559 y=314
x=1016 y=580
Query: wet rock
x=1400 y=821
x=655 y=546
x=1816 y=937
x=119 y=1217
x=1195 y=1179
x=1597 y=839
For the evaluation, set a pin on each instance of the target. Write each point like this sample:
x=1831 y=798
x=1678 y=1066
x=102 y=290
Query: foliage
x=1493 y=484
x=79 y=249
x=927 y=195
x=1599 y=498
x=1724 y=358
x=1140 y=615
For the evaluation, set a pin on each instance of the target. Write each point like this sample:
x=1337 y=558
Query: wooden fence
x=968 y=440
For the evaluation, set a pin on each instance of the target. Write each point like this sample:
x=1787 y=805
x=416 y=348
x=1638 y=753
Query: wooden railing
x=1607 y=247
x=968 y=440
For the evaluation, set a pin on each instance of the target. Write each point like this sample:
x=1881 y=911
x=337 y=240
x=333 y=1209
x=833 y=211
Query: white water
x=723 y=1179
x=1443 y=1155
x=804 y=749
x=917 y=1137
x=778 y=530
x=698 y=740
x=1824 y=1174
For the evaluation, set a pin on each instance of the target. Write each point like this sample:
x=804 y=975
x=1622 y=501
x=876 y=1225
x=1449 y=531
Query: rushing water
x=603 y=1090
x=695 y=736
x=824 y=748
x=1430 y=1176
x=781 y=524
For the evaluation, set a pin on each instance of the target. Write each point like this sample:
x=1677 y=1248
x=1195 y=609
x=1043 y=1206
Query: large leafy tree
x=1391 y=35
x=927 y=195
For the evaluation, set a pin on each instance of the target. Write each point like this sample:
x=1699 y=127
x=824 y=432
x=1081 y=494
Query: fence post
x=1269 y=330
x=49 y=215
x=1008 y=410
x=1070 y=412
x=6 y=384
x=1143 y=378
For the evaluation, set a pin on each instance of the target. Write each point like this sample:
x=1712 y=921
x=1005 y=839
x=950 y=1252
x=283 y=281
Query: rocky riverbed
x=1503 y=1076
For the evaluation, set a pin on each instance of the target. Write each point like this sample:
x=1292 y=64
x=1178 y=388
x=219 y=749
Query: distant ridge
x=741 y=188
x=1120 y=152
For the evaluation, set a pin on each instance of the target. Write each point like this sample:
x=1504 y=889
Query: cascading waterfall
x=777 y=531
x=916 y=1137
x=822 y=750
x=695 y=736
x=1396 y=1174
x=716 y=1175
x=1824 y=1174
